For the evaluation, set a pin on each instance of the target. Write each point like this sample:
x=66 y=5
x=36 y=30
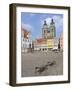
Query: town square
x=42 y=55
x=37 y=59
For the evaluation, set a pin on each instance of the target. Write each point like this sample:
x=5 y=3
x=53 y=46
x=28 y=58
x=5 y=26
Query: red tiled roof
x=41 y=41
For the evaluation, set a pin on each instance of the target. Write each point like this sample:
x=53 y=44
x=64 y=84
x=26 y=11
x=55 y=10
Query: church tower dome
x=45 y=26
x=52 y=28
x=49 y=31
x=45 y=30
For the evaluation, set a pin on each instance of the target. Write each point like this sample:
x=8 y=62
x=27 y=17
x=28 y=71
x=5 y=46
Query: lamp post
x=59 y=45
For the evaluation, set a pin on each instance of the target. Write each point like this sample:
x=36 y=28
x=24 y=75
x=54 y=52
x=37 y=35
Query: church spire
x=52 y=21
x=45 y=22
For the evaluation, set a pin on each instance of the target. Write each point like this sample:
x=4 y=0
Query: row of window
x=26 y=40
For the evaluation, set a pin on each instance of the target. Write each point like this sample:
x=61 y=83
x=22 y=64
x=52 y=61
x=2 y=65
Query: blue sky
x=34 y=21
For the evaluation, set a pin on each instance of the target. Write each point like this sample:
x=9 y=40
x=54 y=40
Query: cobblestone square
x=38 y=59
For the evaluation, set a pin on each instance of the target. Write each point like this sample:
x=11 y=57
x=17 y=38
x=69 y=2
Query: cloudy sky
x=34 y=21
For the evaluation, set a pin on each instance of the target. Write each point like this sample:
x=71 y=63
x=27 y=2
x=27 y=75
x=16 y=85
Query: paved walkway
x=39 y=59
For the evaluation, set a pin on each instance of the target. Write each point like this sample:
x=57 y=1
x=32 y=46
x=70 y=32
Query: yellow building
x=50 y=43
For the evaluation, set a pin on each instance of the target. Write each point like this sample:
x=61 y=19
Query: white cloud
x=58 y=23
x=48 y=20
x=27 y=26
x=32 y=14
x=57 y=19
x=42 y=22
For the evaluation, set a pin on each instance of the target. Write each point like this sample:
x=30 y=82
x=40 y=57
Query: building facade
x=48 y=40
x=52 y=43
x=40 y=45
x=45 y=44
x=55 y=43
x=48 y=31
x=61 y=41
x=26 y=40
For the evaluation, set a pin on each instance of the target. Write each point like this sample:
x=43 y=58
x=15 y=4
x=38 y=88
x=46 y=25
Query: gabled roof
x=25 y=32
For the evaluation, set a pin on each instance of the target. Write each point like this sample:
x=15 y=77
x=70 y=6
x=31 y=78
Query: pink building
x=40 y=44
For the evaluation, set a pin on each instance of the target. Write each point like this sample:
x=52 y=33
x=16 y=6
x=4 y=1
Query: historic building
x=56 y=42
x=52 y=43
x=61 y=41
x=26 y=40
x=47 y=41
x=40 y=45
x=45 y=44
x=48 y=32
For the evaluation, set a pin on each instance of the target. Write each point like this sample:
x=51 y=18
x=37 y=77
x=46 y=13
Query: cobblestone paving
x=38 y=59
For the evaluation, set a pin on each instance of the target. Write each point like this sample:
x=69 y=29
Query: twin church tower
x=49 y=31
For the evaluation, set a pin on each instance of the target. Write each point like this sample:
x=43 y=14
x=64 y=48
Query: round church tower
x=45 y=30
x=49 y=32
x=52 y=29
